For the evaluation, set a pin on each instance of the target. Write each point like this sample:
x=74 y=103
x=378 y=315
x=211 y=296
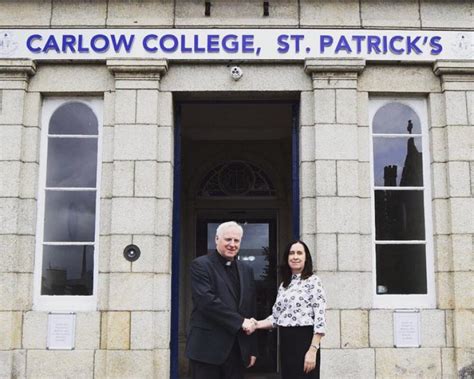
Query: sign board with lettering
x=61 y=331
x=236 y=44
x=406 y=328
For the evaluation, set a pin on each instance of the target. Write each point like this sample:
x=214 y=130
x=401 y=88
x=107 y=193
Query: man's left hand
x=253 y=359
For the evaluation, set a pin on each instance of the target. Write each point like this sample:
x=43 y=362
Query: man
x=223 y=292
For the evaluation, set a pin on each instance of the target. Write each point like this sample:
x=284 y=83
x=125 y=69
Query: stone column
x=456 y=289
x=18 y=176
x=335 y=206
x=137 y=205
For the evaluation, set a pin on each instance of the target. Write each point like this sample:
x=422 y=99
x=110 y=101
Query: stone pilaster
x=330 y=152
x=18 y=177
x=457 y=83
x=138 y=175
x=336 y=199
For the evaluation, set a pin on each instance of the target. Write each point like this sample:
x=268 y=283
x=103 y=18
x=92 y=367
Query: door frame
x=176 y=214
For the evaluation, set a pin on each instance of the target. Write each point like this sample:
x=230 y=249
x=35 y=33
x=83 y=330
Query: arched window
x=401 y=202
x=68 y=204
x=236 y=178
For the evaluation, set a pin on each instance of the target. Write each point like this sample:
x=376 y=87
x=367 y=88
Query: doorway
x=235 y=163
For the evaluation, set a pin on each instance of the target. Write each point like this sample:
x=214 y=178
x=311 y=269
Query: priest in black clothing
x=224 y=301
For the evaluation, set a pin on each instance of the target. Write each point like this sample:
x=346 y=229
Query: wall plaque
x=61 y=331
x=406 y=328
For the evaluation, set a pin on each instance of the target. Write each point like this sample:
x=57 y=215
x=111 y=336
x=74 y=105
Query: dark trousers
x=294 y=343
x=232 y=368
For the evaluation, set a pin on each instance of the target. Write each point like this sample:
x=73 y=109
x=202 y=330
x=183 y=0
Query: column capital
x=17 y=69
x=137 y=73
x=138 y=66
x=330 y=65
x=15 y=73
x=442 y=67
x=455 y=75
x=334 y=73
x=18 y=66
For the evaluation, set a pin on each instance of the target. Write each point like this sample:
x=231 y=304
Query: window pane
x=398 y=162
x=73 y=118
x=69 y=216
x=67 y=270
x=396 y=118
x=255 y=249
x=399 y=215
x=401 y=269
x=72 y=162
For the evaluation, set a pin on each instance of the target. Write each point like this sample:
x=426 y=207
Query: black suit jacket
x=216 y=318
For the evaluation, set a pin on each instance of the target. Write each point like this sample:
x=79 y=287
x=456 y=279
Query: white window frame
x=420 y=106
x=64 y=303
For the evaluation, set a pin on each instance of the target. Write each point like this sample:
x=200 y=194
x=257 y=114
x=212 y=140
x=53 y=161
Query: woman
x=299 y=312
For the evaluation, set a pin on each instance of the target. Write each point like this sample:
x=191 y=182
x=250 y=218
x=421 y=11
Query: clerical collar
x=224 y=261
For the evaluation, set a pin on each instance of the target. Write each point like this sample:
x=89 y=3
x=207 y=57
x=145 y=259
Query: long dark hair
x=285 y=270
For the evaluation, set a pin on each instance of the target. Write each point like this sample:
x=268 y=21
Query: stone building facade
x=124 y=328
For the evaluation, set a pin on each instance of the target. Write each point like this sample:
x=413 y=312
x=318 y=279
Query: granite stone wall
x=127 y=335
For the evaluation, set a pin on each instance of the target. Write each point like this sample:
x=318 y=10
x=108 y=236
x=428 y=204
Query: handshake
x=249 y=325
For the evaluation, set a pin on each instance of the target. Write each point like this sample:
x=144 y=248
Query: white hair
x=226 y=225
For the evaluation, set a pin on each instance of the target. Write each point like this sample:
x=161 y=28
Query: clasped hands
x=249 y=325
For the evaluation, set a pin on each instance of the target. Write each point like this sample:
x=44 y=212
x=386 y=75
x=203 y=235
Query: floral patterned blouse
x=302 y=303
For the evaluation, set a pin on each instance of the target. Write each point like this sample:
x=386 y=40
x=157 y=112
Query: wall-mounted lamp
x=131 y=253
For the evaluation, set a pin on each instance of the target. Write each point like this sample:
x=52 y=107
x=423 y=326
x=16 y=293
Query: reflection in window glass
x=72 y=162
x=401 y=269
x=255 y=248
x=70 y=216
x=399 y=215
x=74 y=118
x=398 y=161
x=397 y=142
x=68 y=242
x=396 y=118
x=67 y=270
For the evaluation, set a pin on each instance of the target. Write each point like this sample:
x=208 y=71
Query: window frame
x=419 y=104
x=55 y=303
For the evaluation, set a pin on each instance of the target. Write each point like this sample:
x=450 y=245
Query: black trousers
x=232 y=368
x=294 y=343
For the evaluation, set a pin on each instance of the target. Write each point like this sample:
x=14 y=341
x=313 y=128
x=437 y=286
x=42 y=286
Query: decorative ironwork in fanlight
x=236 y=179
